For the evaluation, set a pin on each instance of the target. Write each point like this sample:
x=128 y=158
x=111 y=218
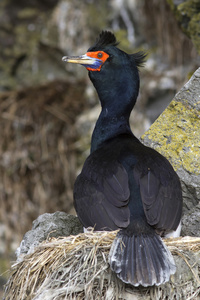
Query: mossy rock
x=176 y=135
x=187 y=14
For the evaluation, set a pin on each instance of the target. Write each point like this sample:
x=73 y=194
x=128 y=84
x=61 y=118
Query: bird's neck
x=108 y=126
x=117 y=95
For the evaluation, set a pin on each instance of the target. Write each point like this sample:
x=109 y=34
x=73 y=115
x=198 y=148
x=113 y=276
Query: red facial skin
x=101 y=55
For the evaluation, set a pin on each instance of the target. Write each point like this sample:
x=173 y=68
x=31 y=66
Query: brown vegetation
x=37 y=154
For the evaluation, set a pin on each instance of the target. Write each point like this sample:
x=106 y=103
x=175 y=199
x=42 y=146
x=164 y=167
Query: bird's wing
x=101 y=195
x=160 y=193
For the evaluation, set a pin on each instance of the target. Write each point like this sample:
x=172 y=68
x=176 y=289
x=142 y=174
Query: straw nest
x=76 y=267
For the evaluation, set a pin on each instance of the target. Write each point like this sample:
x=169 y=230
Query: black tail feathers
x=141 y=260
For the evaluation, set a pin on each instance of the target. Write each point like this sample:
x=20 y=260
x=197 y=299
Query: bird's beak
x=83 y=60
x=91 y=63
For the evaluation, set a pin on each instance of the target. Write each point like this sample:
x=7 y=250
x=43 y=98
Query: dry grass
x=37 y=152
x=76 y=267
x=186 y=243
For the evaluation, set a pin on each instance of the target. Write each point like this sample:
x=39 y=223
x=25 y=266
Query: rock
x=45 y=226
x=34 y=36
x=21 y=48
x=190 y=222
x=176 y=135
x=187 y=13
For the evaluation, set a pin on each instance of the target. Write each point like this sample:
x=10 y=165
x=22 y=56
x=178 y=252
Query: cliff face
x=35 y=34
x=21 y=27
x=187 y=14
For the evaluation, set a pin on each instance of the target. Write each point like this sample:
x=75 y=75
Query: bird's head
x=112 y=71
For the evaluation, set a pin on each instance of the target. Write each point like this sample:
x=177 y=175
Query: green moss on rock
x=194 y=30
x=187 y=14
x=175 y=134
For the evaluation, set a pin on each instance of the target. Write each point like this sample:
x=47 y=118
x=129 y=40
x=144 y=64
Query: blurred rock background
x=48 y=109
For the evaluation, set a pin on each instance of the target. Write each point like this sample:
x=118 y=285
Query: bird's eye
x=99 y=55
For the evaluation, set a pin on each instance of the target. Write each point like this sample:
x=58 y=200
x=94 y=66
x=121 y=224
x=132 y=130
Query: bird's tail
x=141 y=260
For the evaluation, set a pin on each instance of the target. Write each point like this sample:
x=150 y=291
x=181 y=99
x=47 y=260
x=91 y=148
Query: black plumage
x=124 y=184
x=105 y=39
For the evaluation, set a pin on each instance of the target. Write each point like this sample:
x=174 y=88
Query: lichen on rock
x=176 y=135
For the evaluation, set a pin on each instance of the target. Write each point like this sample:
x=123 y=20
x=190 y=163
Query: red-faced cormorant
x=124 y=184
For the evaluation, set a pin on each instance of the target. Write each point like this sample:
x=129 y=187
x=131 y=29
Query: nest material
x=76 y=267
x=38 y=153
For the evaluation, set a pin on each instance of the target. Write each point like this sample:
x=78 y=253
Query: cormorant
x=124 y=184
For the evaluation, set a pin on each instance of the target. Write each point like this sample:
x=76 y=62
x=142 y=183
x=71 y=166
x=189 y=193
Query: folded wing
x=101 y=195
x=160 y=193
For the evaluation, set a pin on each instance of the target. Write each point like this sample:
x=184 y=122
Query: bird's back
x=144 y=179
x=125 y=185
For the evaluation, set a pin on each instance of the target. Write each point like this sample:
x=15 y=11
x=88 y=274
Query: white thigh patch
x=175 y=233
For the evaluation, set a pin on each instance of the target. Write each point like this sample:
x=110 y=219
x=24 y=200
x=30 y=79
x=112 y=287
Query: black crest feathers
x=106 y=38
x=139 y=58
